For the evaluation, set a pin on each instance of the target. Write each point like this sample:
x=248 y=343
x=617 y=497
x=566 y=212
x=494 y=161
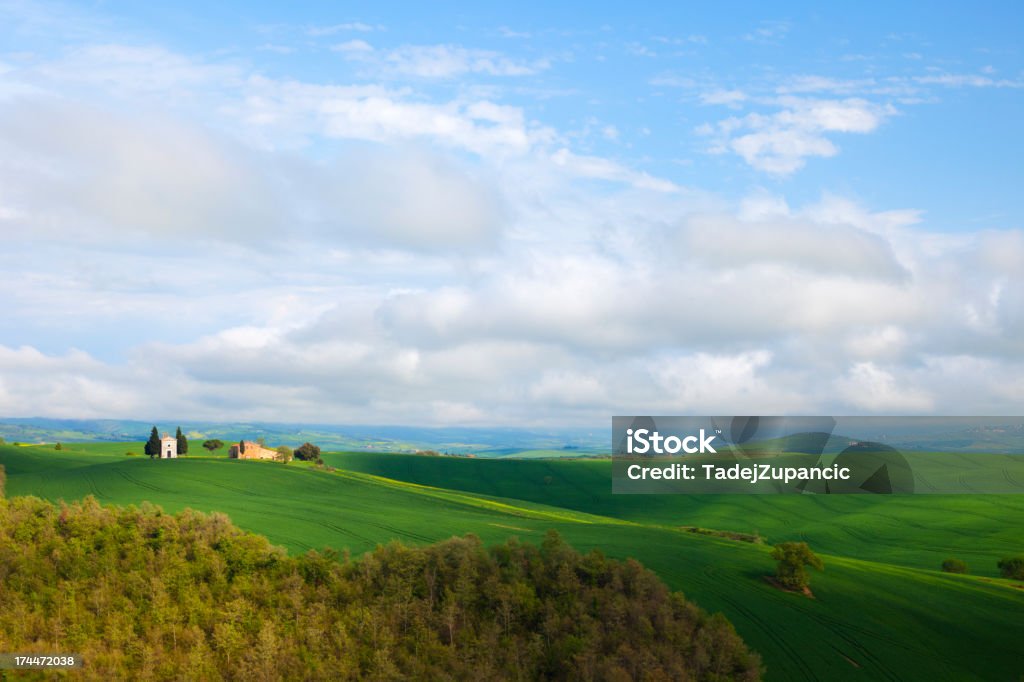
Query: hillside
x=887 y=618
x=140 y=594
x=916 y=531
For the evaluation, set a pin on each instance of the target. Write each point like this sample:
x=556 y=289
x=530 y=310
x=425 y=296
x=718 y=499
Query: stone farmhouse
x=250 y=449
x=168 y=447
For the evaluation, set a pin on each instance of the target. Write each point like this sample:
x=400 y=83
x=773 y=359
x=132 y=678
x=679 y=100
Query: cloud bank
x=198 y=239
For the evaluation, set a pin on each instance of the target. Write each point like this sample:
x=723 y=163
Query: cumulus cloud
x=871 y=388
x=781 y=142
x=279 y=249
x=833 y=250
x=74 y=167
x=411 y=198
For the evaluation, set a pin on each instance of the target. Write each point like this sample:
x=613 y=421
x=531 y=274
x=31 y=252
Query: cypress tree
x=153 y=444
x=182 y=442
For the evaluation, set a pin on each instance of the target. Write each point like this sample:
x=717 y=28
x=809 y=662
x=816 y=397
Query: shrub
x=131 y=454
x=792 y=558
x=284 y=453
x=1012 y=567
x=954 y=566
x=58 y=446
x=308 y=452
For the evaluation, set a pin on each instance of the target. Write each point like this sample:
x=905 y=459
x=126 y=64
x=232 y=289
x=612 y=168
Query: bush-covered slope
x=146 y=595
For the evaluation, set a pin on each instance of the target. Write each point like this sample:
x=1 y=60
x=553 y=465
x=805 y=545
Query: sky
x=539 y=214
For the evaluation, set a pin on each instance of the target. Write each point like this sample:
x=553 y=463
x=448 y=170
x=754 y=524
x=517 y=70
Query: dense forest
x=146 y=595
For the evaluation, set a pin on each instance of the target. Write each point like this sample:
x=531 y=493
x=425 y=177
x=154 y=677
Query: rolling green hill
x=880 y=612
x=918 y=531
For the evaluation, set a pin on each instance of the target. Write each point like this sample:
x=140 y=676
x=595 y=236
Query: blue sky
x=545 y=214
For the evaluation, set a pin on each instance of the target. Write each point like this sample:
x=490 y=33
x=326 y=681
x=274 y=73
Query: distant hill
x=484 y=442
x=1001 y=435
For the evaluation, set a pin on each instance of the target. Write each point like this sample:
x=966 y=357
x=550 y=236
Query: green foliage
x=953 y=565
x=3 y=480
x=182 y=442
x=307 y=452
x=753 y=538
x=58 y=446
x=284 y=453
x=1012 y=567
x=793 y=557
x=143 y=594
x=153 y=444
x=131 y=454
x=213 y=444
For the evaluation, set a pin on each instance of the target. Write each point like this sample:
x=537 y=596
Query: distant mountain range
x=488 y=442
x=955 y=434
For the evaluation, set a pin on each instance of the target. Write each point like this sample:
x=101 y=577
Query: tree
x=1012 y=567
x=182 y=442
x=307 y=452
x=153 y=444
x=792 y=558
x=58 y=446
x=213 y=444
x=284 y=453
x=954 y=566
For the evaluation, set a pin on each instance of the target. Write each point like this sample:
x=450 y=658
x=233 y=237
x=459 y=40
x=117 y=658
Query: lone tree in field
x=153 y=444
x=307 y=452
x=793 y=557
x=182 y=442
x=284 y=453
x=1012 y=567
x=954 y=566
x=58 y=446
x=213 y=444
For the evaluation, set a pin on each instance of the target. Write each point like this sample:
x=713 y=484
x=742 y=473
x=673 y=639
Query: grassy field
x=881 y=610
x=917 y=531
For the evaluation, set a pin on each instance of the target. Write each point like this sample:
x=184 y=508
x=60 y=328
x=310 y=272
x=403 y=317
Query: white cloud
x=415 y=199
x=726 y=97
x=871 y=388
x=606 y=169
x=958 y=80
x=77 y=169
x=438 y=61
x=289 y=250
x=780 y=143
x=769 y=32
x=345 y=27
x=834 y=250
x=353 y=46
